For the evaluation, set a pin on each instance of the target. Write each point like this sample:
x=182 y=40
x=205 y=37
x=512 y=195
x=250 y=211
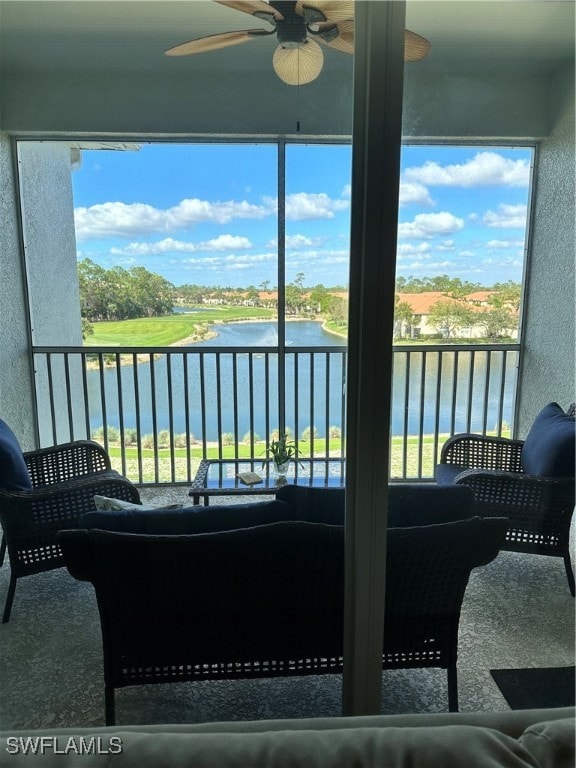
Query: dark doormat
x=536 y=688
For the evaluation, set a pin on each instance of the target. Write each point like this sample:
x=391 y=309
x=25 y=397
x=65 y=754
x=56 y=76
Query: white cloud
x=485 y=169
x=411 y=192
x=191 y=211
x=223 y=242
x=130 y=219
x=228 y=262
x=410 y=249
x=302 y=206
x=445 y=245
x=325 y=257
x=169 y=245
x=249 y=258
x=297 y=241
x=466 y=254
x=506 y=217
x=427 y=265
x=505 y=243
x=430 y=224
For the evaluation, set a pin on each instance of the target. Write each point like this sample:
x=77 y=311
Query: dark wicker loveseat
x=265 y=599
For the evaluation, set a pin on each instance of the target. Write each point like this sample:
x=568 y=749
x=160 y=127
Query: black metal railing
x=159 y=410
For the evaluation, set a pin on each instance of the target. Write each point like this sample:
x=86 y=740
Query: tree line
x=123 y=294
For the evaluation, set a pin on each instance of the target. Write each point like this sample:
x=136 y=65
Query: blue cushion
x=549 y=448
x=13 y=470
x=420 y=504
x=314 y=505
x=446 y=473
x=188 y=520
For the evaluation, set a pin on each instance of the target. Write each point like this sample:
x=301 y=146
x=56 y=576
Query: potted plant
x=283 y=451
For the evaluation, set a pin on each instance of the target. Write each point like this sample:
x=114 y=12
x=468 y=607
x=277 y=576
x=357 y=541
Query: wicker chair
x=265 y=601
x=539 y=507
x=61 y=483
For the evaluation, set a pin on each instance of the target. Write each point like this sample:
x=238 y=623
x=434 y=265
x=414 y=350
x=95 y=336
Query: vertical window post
x=377 y=133
x=281 y=287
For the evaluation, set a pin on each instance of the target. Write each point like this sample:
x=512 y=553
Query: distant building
x=423 y=303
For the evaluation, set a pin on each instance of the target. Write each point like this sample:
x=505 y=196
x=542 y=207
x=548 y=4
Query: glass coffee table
x=219 y=477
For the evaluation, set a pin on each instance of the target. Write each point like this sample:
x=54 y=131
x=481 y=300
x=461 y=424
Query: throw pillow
x=549 y=448
x=105 y=504
x=13 y=470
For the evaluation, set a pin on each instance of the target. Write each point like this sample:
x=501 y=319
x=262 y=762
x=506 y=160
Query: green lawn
x=228 y=451
x=164 y=331
x=418 y=459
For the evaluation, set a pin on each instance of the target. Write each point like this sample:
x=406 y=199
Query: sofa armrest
x=529 y=501
x=483 y=452
x=53 y=506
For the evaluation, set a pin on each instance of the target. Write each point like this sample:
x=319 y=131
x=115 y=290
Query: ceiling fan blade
x=213 y=42
x=318 y=11
x=255 y=7
x=416 y=47
x=339 y=36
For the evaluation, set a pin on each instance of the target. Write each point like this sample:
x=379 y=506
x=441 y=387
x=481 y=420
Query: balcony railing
x=160 y=410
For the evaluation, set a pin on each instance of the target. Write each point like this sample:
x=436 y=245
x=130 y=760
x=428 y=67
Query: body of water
x=451 y=392
x=299 y=333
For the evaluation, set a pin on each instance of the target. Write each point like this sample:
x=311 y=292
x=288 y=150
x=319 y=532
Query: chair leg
x=109 y=705
x=9 y=599
x=2 y=550
x=452 y=688
x=569 y=573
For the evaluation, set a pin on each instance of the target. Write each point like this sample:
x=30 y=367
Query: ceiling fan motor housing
x=299 y=25
x=292 y=29
x=291 y=34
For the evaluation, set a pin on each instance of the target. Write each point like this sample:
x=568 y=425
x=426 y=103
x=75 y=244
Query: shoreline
x=209 y=333
x=212 y=334
x=195 y=338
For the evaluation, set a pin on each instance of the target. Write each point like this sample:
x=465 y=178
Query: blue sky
x=207 y=214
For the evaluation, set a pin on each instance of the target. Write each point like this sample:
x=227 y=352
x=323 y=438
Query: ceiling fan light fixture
x=298 y=66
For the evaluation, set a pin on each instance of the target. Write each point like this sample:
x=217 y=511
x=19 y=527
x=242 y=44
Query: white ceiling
x=531 y=35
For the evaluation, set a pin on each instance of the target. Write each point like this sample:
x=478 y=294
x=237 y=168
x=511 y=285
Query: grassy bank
x=412 y=458
x=171 y=329
x=178 y=328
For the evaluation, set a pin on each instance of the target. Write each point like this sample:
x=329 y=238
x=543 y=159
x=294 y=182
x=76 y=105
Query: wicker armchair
x=539 y=508
x=266 y=600
x=62 y=482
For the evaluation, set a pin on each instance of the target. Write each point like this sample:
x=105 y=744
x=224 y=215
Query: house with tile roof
x=423 y=303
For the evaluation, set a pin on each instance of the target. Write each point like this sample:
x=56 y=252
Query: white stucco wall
x=50 y=242
x=548 y=372
x=50 y=249
x=16 y=403
x=39 y=304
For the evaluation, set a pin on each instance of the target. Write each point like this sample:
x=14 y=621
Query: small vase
x=281 y=468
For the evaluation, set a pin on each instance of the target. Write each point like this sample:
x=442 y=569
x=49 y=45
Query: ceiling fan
x=299 y=27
